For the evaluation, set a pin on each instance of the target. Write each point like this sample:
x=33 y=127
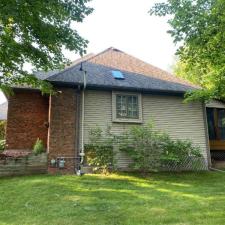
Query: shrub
x=2 y=129
x=149 y=150
x=178 y=152
x=152 y=150
x=2 y=145
x=144 y=146
x=99 y=151
x=38 y=147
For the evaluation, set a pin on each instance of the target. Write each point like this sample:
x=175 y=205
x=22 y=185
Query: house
x=3 y=111
x=112 y=89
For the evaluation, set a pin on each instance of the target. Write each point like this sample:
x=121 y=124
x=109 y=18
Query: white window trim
x=126 y=120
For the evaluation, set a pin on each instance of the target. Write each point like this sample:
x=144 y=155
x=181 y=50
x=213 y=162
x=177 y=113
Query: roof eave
x=109 y=88
x=142 y=90
x=133 y=89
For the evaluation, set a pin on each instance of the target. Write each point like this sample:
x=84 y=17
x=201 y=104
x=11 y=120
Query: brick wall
x=62 y=129
x=27 y=119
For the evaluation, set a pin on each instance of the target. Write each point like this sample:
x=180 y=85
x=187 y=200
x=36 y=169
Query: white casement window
x=126 y=107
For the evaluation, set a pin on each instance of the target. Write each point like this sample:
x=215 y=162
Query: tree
x=199 y=27
x=35 y=32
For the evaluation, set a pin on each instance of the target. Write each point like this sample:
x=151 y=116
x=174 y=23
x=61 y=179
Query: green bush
x=2 y=145
x=149 y=150
x=38 y=147
x=176 y=152
x=99 y=150
x=152 y=150
x=2 y=129
x=144 y=146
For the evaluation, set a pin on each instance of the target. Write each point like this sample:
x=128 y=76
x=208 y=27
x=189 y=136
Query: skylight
x=117 y=74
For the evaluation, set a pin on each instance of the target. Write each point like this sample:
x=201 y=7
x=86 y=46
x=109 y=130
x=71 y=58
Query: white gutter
x=82 y=153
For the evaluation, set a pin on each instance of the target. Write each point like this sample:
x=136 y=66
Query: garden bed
x=14 y=162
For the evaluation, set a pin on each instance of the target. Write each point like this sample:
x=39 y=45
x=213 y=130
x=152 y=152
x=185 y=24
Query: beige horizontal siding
x=168 y=113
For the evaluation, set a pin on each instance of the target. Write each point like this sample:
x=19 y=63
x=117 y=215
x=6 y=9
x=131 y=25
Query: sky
x=126 y=25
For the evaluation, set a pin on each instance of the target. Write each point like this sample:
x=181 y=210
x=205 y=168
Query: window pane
x=132 y=106
x=127 y=106
x=121 y=109
x=211 y=124
x=221 y=123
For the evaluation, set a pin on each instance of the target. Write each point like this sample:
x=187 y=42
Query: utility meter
x=61 y=163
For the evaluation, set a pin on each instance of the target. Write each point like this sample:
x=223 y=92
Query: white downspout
x=82 y=153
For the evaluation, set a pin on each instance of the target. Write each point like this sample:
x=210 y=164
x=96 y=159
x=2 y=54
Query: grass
x=197 y=198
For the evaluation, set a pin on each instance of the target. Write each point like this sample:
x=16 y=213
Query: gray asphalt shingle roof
x=100 y=76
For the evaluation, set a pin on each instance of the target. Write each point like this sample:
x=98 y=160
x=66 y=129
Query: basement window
x=127 y=107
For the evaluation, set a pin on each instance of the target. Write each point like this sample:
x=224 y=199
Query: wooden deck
x=217 y=145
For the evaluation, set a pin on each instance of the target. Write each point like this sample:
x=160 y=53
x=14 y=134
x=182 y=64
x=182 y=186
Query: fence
x=155 y=163
x=218 y=159
x=30 y=164
x=189 y=163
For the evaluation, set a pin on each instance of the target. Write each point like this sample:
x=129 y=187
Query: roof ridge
x=102 y=52
x=149 y=64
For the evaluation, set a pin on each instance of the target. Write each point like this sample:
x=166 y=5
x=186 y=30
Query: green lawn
x=197 y=198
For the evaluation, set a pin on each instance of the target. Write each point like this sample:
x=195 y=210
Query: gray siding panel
x=168 y=113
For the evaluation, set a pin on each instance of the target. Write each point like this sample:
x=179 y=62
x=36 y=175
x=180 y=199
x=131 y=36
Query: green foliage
x=2 y=145
x=198 y=26
x=181 y=69
x=2 y=129
x=204 y=95
x=150 y=150
x=144 y=146
x=177 y=151
x=38 y=147
x=99 y=151
x=36 y=32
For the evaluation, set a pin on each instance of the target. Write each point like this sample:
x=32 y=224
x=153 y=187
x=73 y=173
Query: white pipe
x=82 y=153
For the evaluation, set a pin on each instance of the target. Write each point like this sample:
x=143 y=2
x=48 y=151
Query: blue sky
x=126 y=25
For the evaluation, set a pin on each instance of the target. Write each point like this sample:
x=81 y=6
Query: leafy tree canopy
x=199 y=28
x=35 y=32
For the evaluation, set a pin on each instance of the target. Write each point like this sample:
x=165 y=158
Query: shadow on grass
x=116 y=199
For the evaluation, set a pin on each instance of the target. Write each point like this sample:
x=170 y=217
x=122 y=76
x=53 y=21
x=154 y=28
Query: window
x=211 y=124
x=127 y=107
x=216 y=123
